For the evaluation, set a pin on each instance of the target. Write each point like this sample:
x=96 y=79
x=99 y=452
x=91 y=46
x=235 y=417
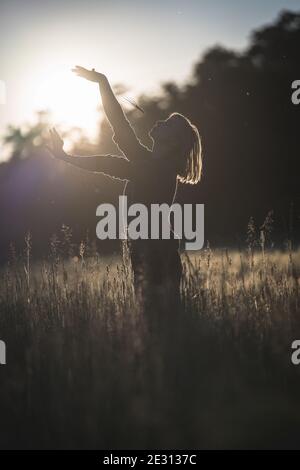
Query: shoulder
x=147 y=166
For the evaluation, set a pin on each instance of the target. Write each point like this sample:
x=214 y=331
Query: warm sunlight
x=150 y=228
x=71 y=101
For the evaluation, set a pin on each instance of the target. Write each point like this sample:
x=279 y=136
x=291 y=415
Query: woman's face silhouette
x=166 y=135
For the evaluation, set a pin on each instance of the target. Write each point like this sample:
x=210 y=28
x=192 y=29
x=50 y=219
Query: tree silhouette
x=241 y=103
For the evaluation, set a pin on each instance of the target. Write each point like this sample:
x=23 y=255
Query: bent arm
x=124 y=134
x=109 y=165
x=111 y=105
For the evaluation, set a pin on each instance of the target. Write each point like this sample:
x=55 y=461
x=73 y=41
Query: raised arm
x=110 y=165
x=124 y=135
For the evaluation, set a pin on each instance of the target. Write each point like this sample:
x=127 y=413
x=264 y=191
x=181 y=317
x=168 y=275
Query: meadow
x=87 y=368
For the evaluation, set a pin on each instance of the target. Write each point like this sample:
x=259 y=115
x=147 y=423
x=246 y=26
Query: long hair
x=192 y=151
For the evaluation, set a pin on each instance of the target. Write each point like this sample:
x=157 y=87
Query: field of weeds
x=87 y=368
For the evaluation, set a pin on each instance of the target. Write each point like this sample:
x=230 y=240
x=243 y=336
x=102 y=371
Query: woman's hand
x=90 y=75
x=56 y=144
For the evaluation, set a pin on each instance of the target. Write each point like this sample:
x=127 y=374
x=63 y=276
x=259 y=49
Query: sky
x=136 y=43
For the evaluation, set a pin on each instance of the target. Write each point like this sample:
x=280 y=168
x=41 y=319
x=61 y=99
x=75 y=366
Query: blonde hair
x=192 y=151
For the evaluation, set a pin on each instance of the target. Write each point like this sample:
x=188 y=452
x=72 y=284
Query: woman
x=152 y=176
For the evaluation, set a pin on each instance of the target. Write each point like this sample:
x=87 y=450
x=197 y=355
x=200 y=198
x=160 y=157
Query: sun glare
x=72 y=101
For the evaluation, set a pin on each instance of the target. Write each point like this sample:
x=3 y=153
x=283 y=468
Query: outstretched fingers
x=90 y=75
x=80 y=71
x=56 y=134
x=56 y=142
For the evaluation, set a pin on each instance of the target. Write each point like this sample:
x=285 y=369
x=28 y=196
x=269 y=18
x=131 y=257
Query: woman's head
x=178 y=138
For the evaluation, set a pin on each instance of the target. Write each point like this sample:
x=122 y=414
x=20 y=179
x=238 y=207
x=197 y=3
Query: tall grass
x=86 y=368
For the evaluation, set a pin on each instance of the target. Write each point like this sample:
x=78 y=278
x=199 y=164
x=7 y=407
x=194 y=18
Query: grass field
x=87 y=369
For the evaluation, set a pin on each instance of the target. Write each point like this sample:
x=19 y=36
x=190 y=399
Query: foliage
x=88 y=369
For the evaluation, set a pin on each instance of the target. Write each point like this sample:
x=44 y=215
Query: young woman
x=152 y=176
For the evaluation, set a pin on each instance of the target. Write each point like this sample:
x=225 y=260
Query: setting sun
x=72 y=102
x=150 y=228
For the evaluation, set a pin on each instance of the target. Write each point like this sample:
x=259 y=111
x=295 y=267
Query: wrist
x=62 y=155
x=102 y=78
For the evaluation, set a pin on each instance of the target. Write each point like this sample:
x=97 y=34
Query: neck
x=161 y=152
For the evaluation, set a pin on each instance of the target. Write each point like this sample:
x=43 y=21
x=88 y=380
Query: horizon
x=39 y=78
